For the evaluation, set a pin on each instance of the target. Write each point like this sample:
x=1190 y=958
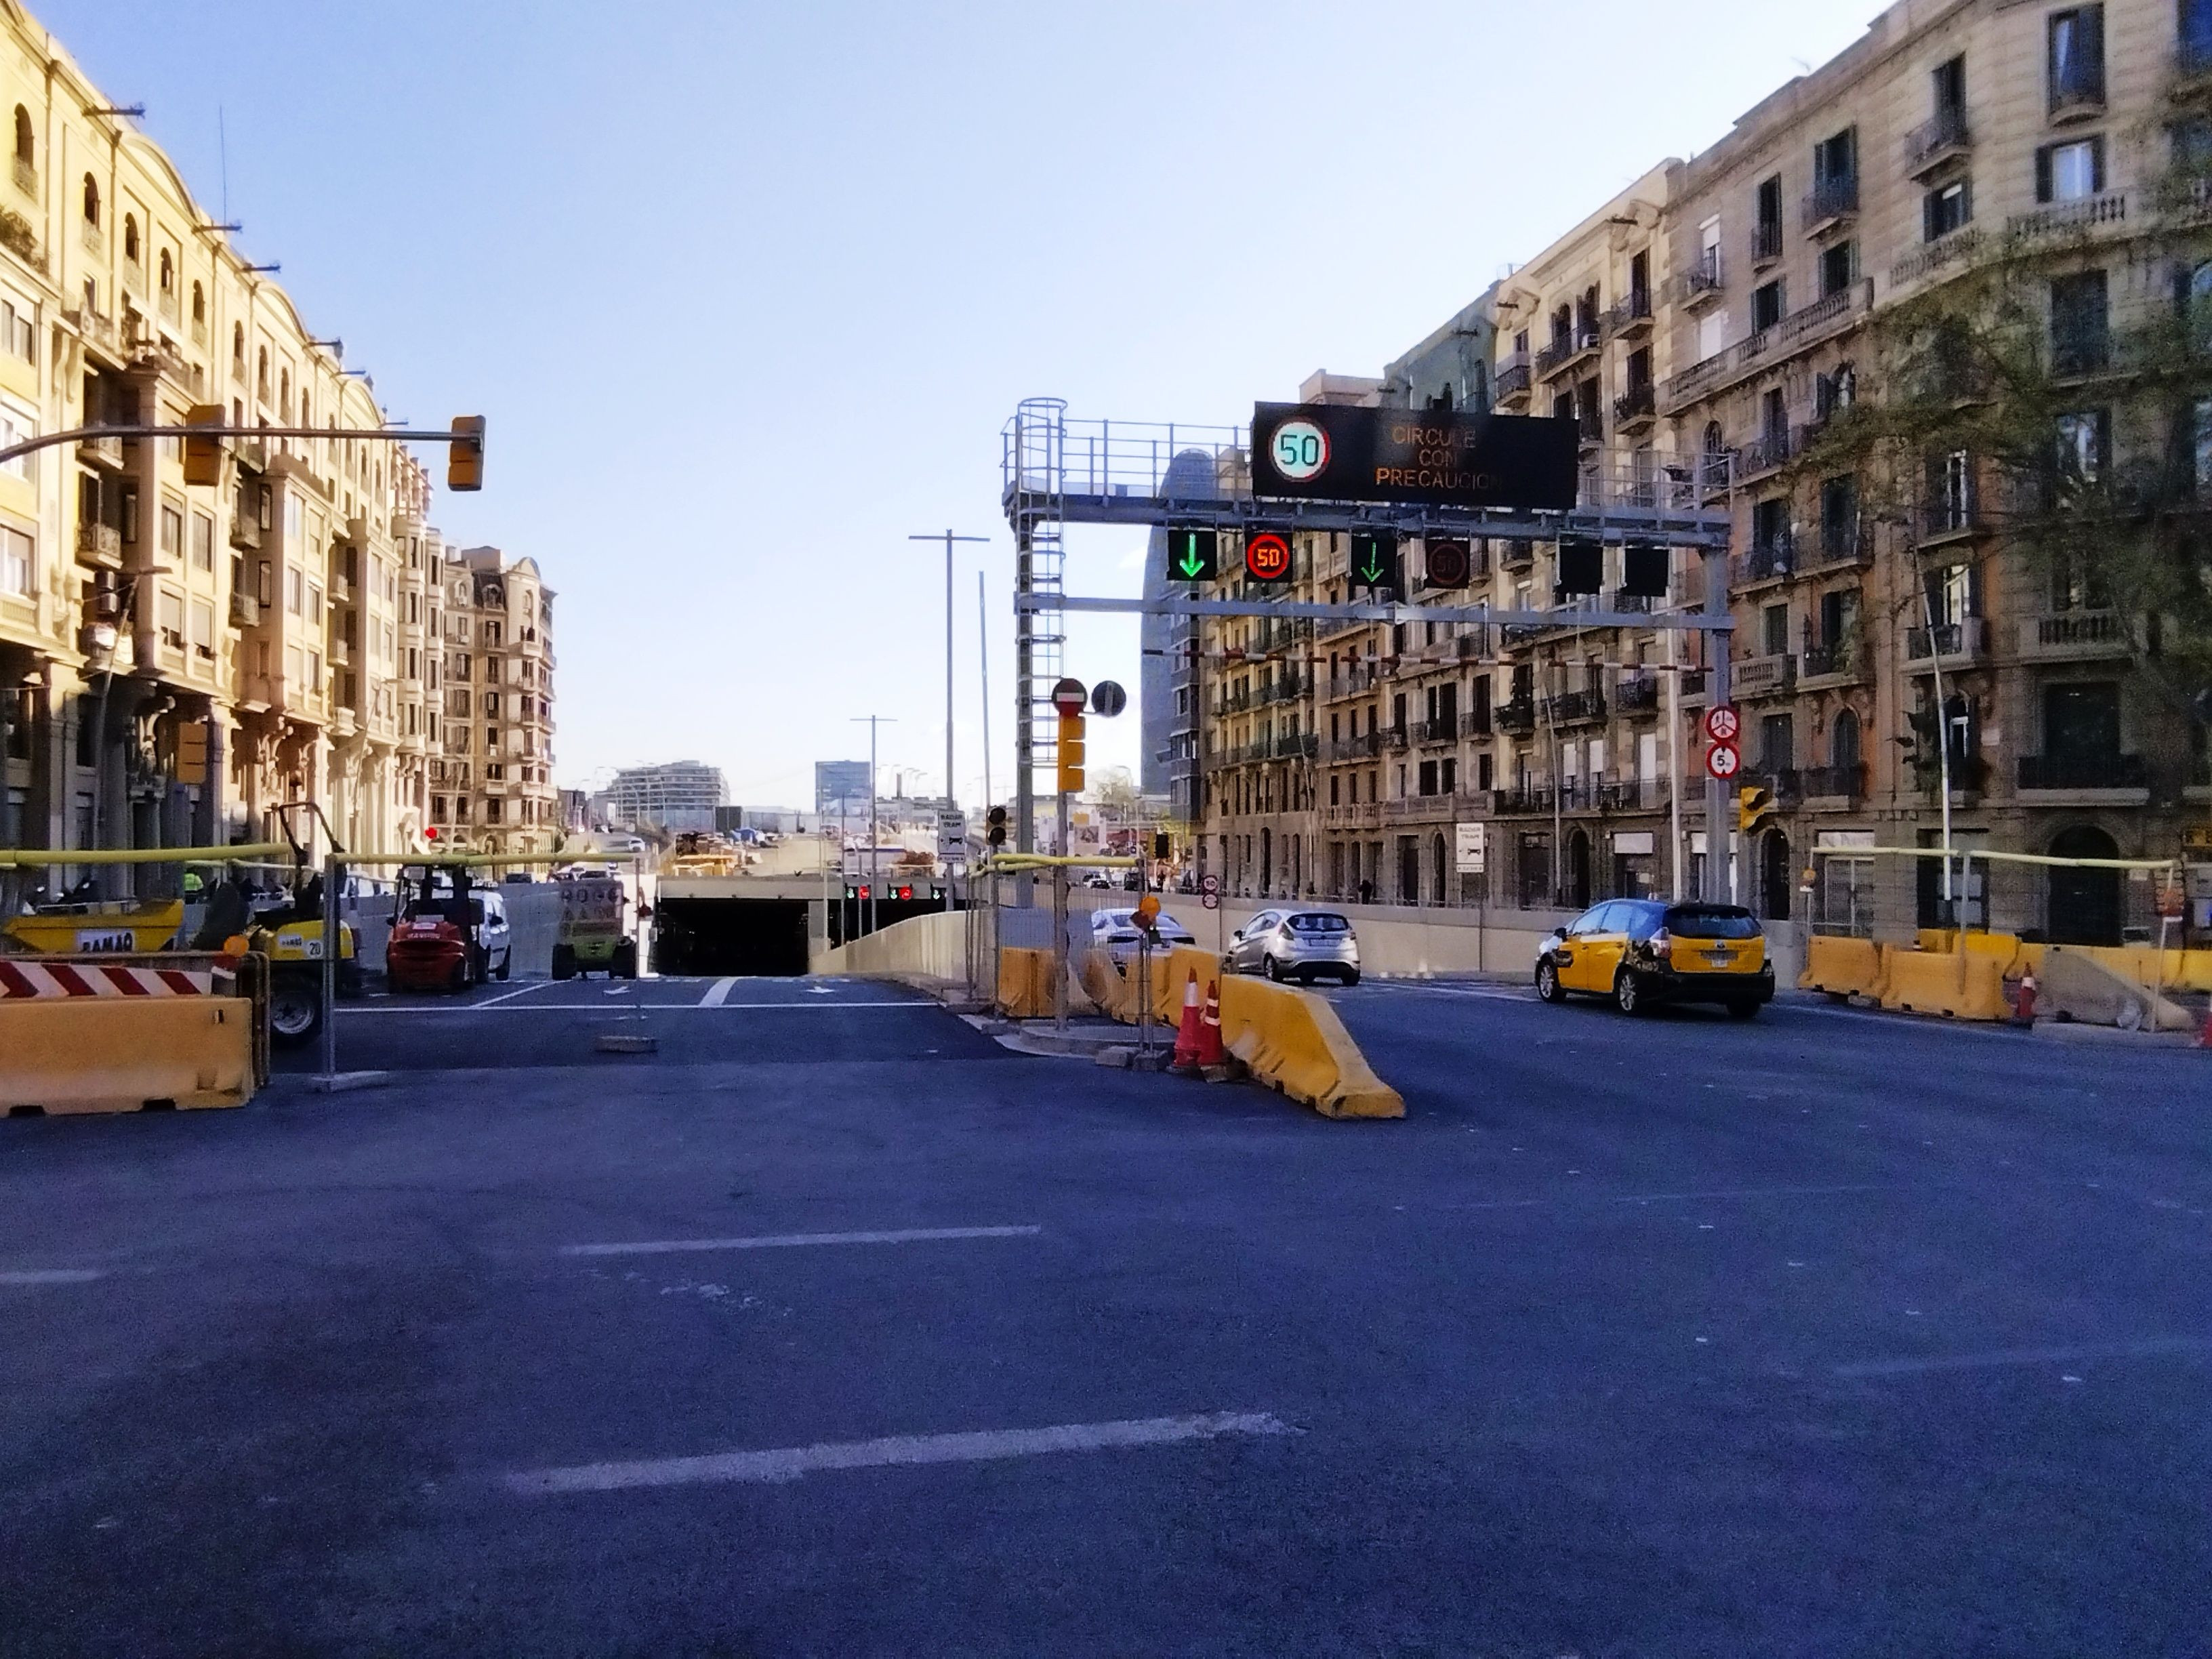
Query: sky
x=747 y=291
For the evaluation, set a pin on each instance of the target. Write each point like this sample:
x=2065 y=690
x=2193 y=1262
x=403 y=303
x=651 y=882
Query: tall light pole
x=875 y=817
x=948 y=539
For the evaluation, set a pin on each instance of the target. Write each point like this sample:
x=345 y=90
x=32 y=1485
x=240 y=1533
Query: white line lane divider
x=905 y=1450
x=718 y=993
x=507 y=996
x=798 y=1241
x=2149 y=1348
x=51 y=1275
x=354 y=1010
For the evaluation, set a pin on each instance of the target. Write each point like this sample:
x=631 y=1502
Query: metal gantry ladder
x=1040 y=480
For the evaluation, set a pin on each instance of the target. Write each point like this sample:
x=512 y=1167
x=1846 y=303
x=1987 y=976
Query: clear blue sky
x=747 y=290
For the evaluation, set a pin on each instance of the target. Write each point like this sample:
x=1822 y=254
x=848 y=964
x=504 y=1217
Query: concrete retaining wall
x=932 y=946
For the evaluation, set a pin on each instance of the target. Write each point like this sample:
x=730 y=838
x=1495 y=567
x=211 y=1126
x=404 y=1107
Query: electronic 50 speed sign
x=1268 y=557
x=1299 y=449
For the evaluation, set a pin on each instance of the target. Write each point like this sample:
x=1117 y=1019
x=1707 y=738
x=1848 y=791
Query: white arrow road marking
x=718 y=993
x=795 y=1241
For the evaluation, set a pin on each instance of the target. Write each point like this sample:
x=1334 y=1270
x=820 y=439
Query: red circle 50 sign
x=1267 y=555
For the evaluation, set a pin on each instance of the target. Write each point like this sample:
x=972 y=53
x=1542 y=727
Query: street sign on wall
x=1339 y=453
x=1472 y=852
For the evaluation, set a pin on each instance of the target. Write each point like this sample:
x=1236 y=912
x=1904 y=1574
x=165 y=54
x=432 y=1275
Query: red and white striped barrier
x=20 y=978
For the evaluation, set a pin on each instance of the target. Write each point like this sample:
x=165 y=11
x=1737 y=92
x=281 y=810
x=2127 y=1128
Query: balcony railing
x=2109 y=209
x=245 y=611
x=1764 y=677
x=102 y=452
x=1797 y=332
x=1517 y=718
x=1934 y=142
x=1842 y=541
x=1516 y=555
x=1636 y=405
x=1784 y=782
x=1636 y=693
x=1631 y=315
x=1958 y=246
x=27 y=177
x=1953 y=513
x=1297 y=745
x=1765 y=242
x=100 y=544
x=1443 y=729
x=1475 y=723
x=1575 y=709
x=2083 y=772
x=1765 y=454
x=1396 y=738
x=1966 y=638
x=1515 y=381
x=2087 y=632
x=1703 y=280
x=1567 y=347
x=1836 y=657
x=1772 y=557
x=1845 y=782
x=1522 y=799
x=1836 y=198
x=245 y=531
x=2078 y=89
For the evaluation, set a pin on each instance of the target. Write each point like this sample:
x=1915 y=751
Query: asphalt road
x=1822 y=1335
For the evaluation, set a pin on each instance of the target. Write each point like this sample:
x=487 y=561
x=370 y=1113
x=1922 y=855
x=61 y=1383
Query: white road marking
x=904 y=1450
x=51 y=1275
x=2148 y=1349
x=656 y=1007
x=795 y=1241
x=718 y=993
x=510 y=996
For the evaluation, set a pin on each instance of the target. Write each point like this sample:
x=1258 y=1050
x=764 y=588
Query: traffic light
x=1755 y=808
x=1374 y=562
x=1581 y=567
x=203 y=456
x=1163 y=847
x=1071 y=754
x=464 y=455
x=994 y=827
x=191 y=751
x=902 y=893
x=1194 y=555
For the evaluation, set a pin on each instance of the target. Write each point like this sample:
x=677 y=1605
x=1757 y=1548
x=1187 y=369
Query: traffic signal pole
x=950 y=792
x=1720 y=822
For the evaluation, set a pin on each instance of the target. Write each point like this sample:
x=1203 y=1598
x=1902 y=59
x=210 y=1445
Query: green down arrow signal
x=1371 y=572
x=1191 y=565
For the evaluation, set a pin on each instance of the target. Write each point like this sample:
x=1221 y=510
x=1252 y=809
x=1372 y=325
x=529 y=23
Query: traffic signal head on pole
x=203 y=456
x=994 y=826
x=1374 y=562
x=1071 y=754
x=464 y=455
x=1755 y=808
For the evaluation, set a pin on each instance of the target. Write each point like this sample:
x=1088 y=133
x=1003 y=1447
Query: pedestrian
x=1366 y=892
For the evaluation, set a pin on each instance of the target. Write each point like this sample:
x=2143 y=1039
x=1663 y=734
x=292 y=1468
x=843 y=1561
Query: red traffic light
x=904 y=893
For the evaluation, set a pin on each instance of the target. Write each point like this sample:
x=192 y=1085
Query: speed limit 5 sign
x=1723 y=760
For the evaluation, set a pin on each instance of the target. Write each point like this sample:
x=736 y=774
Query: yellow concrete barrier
x=1842 y=967
x=1954 y=985
x=1024 y=983
x=102 y=1055
x=1293 y=1041
x=2170 y=970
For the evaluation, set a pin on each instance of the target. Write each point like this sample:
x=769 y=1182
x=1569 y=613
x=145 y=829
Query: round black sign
x=1107 y=699
x=1449 y=564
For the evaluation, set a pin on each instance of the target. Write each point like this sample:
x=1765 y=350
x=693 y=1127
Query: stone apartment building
x=1708 y=329
x=283 y=622
x=491 y=788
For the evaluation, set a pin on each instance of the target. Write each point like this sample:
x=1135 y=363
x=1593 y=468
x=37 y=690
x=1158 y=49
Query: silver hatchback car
x=1307 y=944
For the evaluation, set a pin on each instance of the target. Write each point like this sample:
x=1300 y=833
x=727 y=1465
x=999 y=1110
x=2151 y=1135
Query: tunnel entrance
x=848 y=918
x=725 y=936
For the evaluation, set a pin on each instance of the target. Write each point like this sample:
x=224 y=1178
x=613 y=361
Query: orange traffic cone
x=1188 y=1038
x=1210 y=1052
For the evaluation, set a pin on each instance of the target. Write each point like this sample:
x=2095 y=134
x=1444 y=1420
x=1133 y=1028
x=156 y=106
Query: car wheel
x=1352 y=978
x=1743 y=1009
x=1272 y=970
x=564 y=962
x=1547 y=982
x=1628 y=993
x=505 y=964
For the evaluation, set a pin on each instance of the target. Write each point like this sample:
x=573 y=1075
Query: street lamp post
x=948 y=539
x=875 y=880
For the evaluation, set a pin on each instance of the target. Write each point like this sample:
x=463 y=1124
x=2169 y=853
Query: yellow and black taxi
x=1642 y=952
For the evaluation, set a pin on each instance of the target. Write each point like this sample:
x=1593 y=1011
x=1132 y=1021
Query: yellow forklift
x=290 y=934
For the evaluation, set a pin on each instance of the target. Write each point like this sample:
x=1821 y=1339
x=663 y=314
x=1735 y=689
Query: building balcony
x=1443 y=729
x=1633 y=316
x=1841 y=542
x=1517 y=718
x=1635 y=408
x=1842 y=784
x=1355 y=815
x=1949 y=644
x=2075 y=636
x=1475 y=723
x=1768 y=452
x=1569 y=349
x=1693 y=685
x=1590 y=428
x=2090 y=213
x=1836 y=662
x=1952 y=517
x=245 y=611
x=1522 y=800
x=1420 y=809
x=1516 y=555
x=1703 y=283
x=1937 y=143
x=245 y=532
x=1297 y=745
x=1396 y=739
x=2086 y=780
x=1764 y=676
x=1766 y=243
x=1636 y=693
x=100 y=544
x=1576 y=708
x=1516 y=380
x=2078 y=94
x=1785 y=783
x=1828 y=205
x=1958 y=248
x=1798 y=333
x=1772 y=558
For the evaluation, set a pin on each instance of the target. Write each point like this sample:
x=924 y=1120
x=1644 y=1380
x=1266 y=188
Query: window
x=203 y=542
x=2076 y=66
x=203 y=630
x=91 y=203
x=131 y=237
x=170 y=610
x=27 y=151
x=14 y=428
x=173 y=533
x=1774 y=630
x=2081 y=340
x=261 y=373
x=199 y=309
x=2084 y=446
x=1766 y=307
x=1947 y=84
x=19 y=562
x=294 y=589
x=1766 y=236
x=1838 y=268
x=237 y=349
x=2071 y=172
x=1945 y=209
x=169 y=279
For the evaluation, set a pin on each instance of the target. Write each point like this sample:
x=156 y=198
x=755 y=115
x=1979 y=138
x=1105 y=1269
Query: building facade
x=686 y=789
x=494 y=791
x=1713 y=329
x=180 y=662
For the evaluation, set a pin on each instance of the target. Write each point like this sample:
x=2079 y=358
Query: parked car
x=1114 y=932
x=1644 y=952
x=1307 y=944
